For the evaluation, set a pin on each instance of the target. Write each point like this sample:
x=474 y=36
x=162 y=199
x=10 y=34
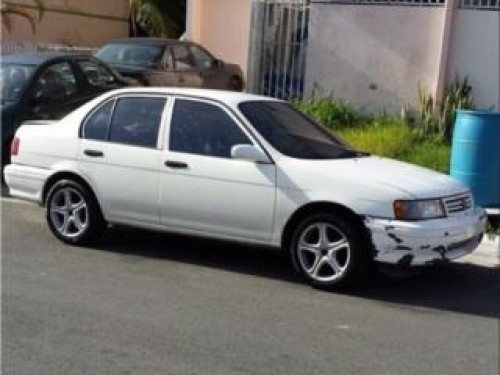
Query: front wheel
x=73 y=214
x=329 y=251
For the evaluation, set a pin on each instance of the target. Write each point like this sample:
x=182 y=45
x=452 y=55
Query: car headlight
x=419 y=209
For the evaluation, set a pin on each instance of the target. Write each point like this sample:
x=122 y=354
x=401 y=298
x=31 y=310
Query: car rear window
x=131 y=54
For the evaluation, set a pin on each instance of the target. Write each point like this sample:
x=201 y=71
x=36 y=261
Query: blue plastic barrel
x=475 y=155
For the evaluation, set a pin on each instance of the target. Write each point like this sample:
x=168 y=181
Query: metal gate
x=278 y=47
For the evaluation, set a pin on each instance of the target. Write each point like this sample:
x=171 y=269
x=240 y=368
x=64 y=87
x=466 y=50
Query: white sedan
x=239 y=167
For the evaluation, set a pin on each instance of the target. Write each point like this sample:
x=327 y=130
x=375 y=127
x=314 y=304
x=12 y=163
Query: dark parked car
x=48 y=86
x=165 y=62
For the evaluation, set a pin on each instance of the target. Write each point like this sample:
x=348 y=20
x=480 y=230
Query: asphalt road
x=149 y=303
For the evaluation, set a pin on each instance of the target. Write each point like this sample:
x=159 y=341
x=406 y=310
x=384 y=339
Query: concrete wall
x=86 y=23
x=221 y=26
x=475 y=52
x=373 y=56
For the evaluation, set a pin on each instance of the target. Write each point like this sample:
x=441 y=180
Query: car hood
x=372 y=178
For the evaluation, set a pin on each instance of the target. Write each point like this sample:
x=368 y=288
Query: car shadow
x=456 y=287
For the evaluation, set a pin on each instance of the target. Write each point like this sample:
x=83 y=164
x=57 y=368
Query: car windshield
x=130 y=54
x=294 y=134
x=13 y=79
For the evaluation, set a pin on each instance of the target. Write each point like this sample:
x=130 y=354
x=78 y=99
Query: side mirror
x=249 y=153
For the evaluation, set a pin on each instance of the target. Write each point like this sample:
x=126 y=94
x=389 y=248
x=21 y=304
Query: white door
x=201 y=187
x=119 y=153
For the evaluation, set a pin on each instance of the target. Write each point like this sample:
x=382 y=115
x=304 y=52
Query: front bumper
x=426 y=242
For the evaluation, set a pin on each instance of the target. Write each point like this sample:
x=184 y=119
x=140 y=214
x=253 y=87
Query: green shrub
x=439 y=118
x=331 y=113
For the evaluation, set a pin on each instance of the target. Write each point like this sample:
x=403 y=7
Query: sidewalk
x=487 y=254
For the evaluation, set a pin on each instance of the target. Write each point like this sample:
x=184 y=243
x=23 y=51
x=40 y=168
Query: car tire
x=73 y=214
x=329 y=251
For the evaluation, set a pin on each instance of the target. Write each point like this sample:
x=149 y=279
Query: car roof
x=144 y=41
x=37 y=58
x=230 y=97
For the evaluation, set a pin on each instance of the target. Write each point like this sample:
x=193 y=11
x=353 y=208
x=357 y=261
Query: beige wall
x=221 y=26
x=475 y=52
x=86 y=23
x=374 y=56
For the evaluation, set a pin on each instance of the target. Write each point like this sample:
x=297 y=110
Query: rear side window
x=136 y=121
x=96 y=126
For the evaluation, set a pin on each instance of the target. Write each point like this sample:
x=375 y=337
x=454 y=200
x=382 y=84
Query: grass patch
x=398 y=141
x=431 y=154
x=391 y=140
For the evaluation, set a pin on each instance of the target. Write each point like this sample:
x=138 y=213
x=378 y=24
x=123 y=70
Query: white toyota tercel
x=239 y=167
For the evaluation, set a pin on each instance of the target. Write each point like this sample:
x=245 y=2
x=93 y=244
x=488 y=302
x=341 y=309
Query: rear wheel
x=328 y=251
x=73 y=214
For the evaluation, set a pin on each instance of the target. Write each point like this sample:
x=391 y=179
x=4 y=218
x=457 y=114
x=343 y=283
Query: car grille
x=458 y=203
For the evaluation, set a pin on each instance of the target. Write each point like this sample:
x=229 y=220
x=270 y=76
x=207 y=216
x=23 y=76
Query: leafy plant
x=332 y=113
x=439 y=118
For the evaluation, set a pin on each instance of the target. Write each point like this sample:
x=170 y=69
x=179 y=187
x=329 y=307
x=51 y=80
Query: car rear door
x=120 y=155
x=201 y=187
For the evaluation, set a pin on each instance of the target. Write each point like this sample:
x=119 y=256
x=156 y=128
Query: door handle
x=176 y=164
x=94 y=153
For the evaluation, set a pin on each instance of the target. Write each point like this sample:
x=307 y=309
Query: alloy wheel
x=323 y=252
x=69 y=212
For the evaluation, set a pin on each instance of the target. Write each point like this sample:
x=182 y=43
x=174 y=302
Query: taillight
x=14 y=146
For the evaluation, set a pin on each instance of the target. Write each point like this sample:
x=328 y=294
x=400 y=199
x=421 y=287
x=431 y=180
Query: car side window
x=203 y=129
x=136 y=121
x=57 y=82
x=167 y=62
x=96 y=74
x=182 y=57
x=203 y=59
x=97 y=124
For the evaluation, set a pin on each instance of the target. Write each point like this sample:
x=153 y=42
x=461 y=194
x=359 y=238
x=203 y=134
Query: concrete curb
x=486 y=255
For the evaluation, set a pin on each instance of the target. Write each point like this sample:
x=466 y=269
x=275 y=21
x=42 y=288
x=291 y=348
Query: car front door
x=119 y=153
x=185 y=67
x=201 y=187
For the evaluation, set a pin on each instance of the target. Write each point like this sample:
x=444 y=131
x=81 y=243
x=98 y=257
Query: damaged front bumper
x=426 y=242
